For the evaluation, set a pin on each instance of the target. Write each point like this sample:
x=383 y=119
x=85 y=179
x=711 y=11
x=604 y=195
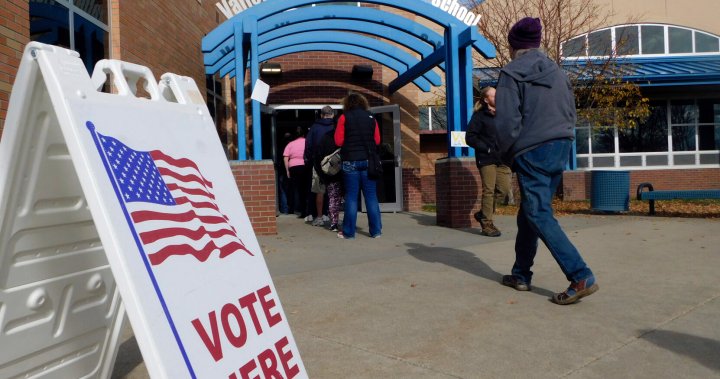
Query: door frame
x=397 y=206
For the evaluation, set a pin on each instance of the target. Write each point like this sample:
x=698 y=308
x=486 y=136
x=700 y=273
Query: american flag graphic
x=171 y=204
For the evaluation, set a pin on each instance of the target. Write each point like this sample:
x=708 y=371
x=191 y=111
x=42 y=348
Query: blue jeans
x=539 y=172
x=356 y=179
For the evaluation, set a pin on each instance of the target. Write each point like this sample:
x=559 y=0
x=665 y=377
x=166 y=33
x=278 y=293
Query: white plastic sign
x=164 y=203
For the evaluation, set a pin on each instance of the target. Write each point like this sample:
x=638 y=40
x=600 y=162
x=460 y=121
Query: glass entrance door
x=389 y=187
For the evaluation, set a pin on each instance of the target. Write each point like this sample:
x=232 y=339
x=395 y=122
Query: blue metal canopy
x=645 y=72
x=279 y=27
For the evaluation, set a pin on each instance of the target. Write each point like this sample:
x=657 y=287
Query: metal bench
x=651 y=195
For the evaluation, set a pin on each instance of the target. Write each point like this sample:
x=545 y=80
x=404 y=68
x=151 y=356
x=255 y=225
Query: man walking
x=535 y=127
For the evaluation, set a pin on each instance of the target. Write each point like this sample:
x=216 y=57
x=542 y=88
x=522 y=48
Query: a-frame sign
x=104 y=196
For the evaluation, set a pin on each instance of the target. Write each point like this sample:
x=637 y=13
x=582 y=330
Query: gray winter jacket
x=534 y=104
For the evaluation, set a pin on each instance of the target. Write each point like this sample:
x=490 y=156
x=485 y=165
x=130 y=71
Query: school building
x=673 y=48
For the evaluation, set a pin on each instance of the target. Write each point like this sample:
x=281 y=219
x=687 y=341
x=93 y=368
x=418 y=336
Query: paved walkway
x=424 y=302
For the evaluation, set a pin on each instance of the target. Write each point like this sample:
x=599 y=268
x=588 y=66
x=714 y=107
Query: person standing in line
x=494 y=175
x=535 y=128
x=287 y=203
x=332 y=184
x=296 y=172
x=321 y=127
x=356 y=133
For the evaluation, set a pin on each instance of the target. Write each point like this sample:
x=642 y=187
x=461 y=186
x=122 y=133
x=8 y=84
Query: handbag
x=331 y=163
x=375 y=168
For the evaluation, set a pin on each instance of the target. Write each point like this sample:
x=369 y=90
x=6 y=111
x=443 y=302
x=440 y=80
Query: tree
x=603 y=99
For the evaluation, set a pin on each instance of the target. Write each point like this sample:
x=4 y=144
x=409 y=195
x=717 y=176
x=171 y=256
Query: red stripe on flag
x=195 y=235
x=142 y=216
x=202 y=255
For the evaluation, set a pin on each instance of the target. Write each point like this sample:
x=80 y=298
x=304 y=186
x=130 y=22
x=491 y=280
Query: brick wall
x=256 y=182
x=322 y=78
x=165 y=36
x=458 y=192
x=14 y=35
x=412 y=190
x=577 y=184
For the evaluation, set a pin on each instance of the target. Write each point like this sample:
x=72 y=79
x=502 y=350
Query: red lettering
x=285 y=357
x=268 y=364
x=236 y=331
x=247 y=302
x=267 y=305
x=247 y=369
x=214 y=346
x=231 y=309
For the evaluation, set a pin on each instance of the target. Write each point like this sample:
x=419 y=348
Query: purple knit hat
x=525 y=34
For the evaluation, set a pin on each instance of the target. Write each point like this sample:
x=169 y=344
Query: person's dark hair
x=355 y=100
x=300 y=131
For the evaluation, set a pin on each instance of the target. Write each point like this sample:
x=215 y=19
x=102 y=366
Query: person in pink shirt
x=295 y=169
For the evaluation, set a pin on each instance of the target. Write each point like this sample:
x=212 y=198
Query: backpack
x=330 y=164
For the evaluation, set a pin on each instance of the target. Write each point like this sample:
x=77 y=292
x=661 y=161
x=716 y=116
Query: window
x=600 y=43
x=678 y=133
x=650 y=136
x=705 y=43
x=574 y=47
x=709 y=124
x=216 y=107
x=79 y=25
x=603 y=140
x=680 y=40
x=627 y=40
x=640 y=39
x=653 y=39
x=433 y=117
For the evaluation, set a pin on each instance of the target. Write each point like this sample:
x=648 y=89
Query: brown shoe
x=576 y=291
x=488 y=229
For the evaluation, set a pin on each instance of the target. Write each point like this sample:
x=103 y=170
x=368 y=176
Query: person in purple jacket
x=535 y=121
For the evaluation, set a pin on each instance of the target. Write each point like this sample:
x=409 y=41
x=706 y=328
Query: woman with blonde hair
x=357 y=133
x=494 y=175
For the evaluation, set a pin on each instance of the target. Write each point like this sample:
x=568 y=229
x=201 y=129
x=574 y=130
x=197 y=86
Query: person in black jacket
x=321 y=127
x=358 y=133
x=494 y=175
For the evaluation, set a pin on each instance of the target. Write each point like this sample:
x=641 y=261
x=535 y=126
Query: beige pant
x=495 y=187
x=317 y=186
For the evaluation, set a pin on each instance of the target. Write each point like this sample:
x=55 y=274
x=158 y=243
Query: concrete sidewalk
x=424 y=301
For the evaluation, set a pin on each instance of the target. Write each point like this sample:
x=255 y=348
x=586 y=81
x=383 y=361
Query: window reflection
x=582 y=135
x=574 y=47
x=709 y=130
x=705 y=43
x=653 y=39
x=600 y=43
x=49 y=23
x=90 y=41
x=683 y=112
x=627 y=40
x=603 y=141
x=650 y=136
x=680 y=40
x=432 y=117
x=683 y=138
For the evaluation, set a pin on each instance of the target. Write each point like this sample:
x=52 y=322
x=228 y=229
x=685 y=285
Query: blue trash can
x=610 y=191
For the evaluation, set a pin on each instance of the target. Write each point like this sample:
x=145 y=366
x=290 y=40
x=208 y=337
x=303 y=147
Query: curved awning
x=279 y=27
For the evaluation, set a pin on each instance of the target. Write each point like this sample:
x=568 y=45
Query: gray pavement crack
x=638 y=337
